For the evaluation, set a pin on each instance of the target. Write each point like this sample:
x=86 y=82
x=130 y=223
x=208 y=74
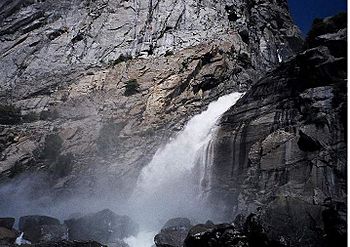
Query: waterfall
x=167 y=186
x=203 y=165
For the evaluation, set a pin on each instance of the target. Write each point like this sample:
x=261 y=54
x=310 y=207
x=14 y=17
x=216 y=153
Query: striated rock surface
x=43 y=38
x=281 y=150
x=91 y=89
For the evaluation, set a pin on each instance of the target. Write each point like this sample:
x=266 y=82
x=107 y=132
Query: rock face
x=281 y=149
x=104 y=226
x=90 y=90
x=49 y=37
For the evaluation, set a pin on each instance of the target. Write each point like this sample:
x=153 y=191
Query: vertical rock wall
x=281 y=150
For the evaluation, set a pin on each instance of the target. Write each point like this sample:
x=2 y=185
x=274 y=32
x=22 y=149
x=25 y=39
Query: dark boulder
x=244 y=232
x=7 y=236
x=173 y=233
x=38 y=228
x=222 y=235
x=104 y=226
x=177 y=223
x=255 y=232
x=29 y=221
x=7 y=222
x=66 y=243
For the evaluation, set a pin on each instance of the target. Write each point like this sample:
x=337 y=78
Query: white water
x=166 y=187
x=20 y=240
x=143 y=239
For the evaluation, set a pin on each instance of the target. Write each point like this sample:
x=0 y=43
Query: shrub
x=31 y=117
x=131 y=87
x=9 y=114
x=120 y=59
x=169 y=53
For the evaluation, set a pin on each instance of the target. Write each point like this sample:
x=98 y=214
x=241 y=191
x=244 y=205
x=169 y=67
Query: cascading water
x=167 y=186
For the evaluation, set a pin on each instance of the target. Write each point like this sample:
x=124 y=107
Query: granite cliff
x=91 y=89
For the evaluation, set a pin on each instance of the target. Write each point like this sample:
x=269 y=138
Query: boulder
x=7 y=222
x=7 y=236
x=29 y=221
x=173 y=233
x=39 y=228
x=66 y=243
x=177 y=223
x=104 y=226
x=208 y=235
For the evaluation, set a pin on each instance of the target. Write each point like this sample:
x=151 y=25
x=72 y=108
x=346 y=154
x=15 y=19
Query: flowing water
x=168 y=186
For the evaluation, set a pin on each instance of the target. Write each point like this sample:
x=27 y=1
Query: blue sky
x=305 y=11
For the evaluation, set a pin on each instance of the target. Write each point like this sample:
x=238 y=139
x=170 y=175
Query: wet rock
x=38 y=228
x=177 y=223
x=104 y=226
x=7 y=222
x=27 y=222
x=173 y=233
x=66 y=243
x=223 y=235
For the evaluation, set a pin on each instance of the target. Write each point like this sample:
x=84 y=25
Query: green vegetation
x=169 y=53
x=120 y=59
x=9 y=114
x=131 y=87
x=50 y=114
x=31 y=117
